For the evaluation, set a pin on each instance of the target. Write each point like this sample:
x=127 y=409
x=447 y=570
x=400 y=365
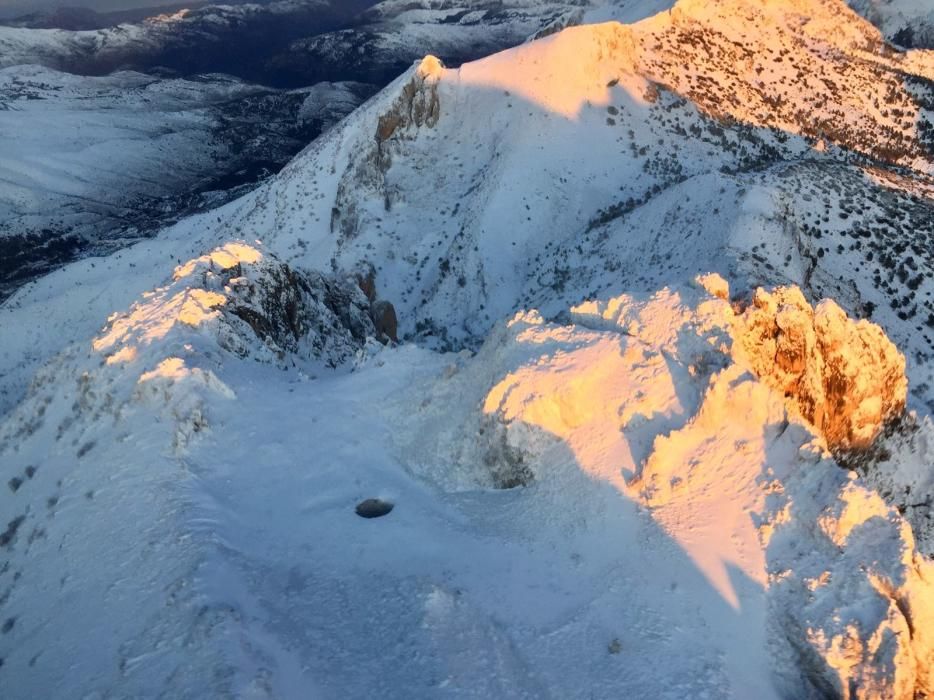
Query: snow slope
x=557 y=169
x=172 y=146
x=210 y=475
x=906 y=22
x=619 y=182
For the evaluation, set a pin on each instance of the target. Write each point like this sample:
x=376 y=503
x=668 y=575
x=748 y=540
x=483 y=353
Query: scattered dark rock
x=7 y=537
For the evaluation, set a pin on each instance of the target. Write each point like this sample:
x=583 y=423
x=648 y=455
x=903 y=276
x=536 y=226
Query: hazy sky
x=11 y=8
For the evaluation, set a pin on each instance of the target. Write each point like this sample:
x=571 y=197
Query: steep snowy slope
x=210 y=133
x=90 y=164
x=592 y=159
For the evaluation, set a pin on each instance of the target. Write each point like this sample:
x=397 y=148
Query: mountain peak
x=430 y=68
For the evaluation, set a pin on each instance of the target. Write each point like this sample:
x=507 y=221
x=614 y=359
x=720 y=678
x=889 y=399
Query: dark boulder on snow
x=374 y=508
x=384 y=318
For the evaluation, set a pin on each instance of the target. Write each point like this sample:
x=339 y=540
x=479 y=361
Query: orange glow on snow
x=734 y=60
x=564 y=73
x=222 y=258
x=172 y=368
x=596 y=397
x=179 y=303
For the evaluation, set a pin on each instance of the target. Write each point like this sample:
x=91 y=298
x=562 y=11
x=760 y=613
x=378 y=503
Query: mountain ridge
x=620 y=426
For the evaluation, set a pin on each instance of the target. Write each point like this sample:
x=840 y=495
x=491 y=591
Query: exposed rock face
x=242 y=296
x=383 y=315
x=382 y=312
x=365 y=274
x=845 y=376
x=418 y=104
x=311 y=314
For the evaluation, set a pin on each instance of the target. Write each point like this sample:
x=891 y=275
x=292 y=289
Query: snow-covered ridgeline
x=184 y=449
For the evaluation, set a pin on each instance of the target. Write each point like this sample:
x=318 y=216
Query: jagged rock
x=309 y=313
x=844 y=376
x=417 y=105
x=383 y=315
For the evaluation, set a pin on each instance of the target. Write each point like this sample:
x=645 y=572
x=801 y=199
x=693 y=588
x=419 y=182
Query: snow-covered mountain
x=389 y=36
x=290 y=43
x=233 y=39
x=89 y=164
x=908 y=23
x=182 y=491
x=591 y=159
x=656 y=423
x=173 y=145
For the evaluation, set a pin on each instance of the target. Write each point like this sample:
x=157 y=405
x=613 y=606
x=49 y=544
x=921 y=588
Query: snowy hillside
x=91 y=164
x=207 y=462
x=172 y=145
x=590 y=159
x=626 y=329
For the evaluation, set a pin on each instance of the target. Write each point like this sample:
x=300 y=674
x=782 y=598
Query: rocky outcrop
x=715 y=418
x=383 y=315
x=417 y=106
x=844 y=376
x=307 y=313
x=382 y=312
